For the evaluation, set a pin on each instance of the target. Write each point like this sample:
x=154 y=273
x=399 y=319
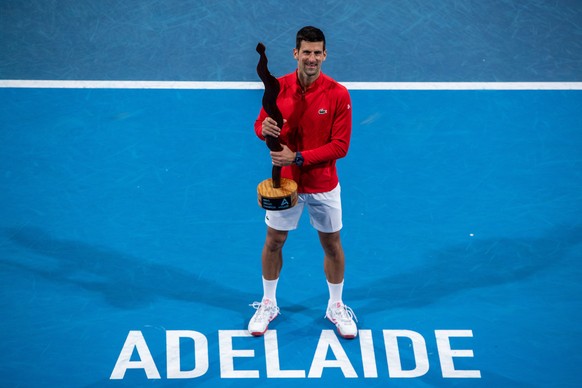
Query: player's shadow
x=480 y=263
x=454 y=269
x=123 y=280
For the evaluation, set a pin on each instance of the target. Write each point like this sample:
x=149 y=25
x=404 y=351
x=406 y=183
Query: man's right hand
x=270 y=128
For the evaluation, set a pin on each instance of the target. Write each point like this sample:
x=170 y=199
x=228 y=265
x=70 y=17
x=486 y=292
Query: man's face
x=309 y=58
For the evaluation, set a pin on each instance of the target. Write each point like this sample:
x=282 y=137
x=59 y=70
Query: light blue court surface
x=130 y=236
x=129 y=210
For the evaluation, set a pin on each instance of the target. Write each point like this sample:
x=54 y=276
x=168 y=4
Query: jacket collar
x=311 y=87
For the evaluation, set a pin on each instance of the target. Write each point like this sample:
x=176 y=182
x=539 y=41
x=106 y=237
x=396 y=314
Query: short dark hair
x=309 y=34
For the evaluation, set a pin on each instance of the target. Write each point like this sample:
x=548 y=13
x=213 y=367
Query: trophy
x=275 y=193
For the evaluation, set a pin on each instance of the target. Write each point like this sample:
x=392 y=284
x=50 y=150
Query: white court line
x=58 y=84
x=82 y=84
x=463 y=85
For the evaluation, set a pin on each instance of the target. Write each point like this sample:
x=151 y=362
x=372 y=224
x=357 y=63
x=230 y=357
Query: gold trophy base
x=284 y=197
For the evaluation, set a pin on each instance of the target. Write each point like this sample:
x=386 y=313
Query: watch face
x=299 y=159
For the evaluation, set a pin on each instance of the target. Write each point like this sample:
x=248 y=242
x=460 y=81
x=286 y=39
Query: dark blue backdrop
x=214 y=40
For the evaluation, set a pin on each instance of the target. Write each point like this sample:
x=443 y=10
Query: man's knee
x=331 y=244
x=275 y=239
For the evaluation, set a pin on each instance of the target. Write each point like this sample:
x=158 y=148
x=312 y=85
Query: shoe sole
x=260 y=334
x=348 y=336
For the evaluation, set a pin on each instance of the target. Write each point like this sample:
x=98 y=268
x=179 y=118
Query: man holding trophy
x=316 y=130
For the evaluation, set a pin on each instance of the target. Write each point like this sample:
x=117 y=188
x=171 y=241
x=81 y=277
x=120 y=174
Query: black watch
x=298 y=159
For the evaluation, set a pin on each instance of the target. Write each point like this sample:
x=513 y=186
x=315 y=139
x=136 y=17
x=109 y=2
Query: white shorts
x=325 y=212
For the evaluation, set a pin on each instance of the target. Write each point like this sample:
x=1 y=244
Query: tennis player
x=316 y=132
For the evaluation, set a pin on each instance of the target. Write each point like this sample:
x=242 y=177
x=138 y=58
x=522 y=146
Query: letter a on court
x=135 y=340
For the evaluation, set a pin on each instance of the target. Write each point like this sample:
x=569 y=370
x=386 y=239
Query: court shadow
x=478 y=264
x=124 y=281
x=454 y=269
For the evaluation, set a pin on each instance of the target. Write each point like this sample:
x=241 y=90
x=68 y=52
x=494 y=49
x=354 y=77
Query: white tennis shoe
x=266 y=312
x=343 y=318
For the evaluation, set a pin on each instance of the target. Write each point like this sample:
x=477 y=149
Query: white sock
x=335 y=292
x=270 y=290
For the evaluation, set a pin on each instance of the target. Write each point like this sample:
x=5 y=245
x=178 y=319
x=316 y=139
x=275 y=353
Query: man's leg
x=334 y=259
x=272 y=256
x=272 y=262
x=334 y=266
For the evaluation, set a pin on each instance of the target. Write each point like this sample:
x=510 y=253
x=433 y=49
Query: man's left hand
x=284 y=157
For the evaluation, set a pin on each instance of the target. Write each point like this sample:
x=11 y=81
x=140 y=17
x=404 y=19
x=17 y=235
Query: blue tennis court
x=130 y=236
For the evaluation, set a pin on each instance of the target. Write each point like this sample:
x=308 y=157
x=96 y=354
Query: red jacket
x=319 y=125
